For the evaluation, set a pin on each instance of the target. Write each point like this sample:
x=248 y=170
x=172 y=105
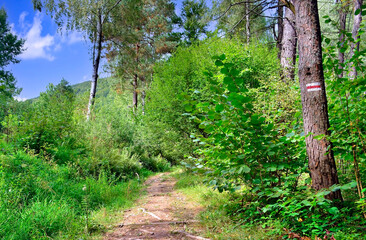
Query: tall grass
x=40 y=199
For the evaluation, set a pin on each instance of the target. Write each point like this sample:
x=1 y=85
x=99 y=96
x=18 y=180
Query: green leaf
x=208 y=74
x=219 y=108
x=219 y=63
x=222 y=57
x=349 y=186
x=188 y=108
x=242 y=156
x=244 y=169
x=272 y=169
x=306 y=203
x=228 y=80
x=357 y=12
x=224 y=70
x=333 y=210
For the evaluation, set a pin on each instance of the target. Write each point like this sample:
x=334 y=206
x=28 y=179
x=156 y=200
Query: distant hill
x=105 y=85
x=103 y=88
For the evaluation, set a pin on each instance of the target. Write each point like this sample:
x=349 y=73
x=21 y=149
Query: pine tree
x=143 y=36
x=193 y=20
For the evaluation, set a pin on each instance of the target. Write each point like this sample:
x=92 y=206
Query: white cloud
x=22 y=22
x=20 y=99
x=42 y=46
x=37 y=46
x=75 y=37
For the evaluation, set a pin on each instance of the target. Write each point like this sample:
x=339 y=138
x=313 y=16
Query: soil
x=163 y=214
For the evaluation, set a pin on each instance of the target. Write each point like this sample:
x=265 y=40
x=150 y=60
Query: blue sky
x=50 y=54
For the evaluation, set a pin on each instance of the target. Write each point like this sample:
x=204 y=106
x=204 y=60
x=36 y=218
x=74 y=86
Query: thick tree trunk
x=247 y=25
x=342 y=29
x=96 y=61
x=280 y=28
x=314 y=102
x=355 y=46
x=289 y=43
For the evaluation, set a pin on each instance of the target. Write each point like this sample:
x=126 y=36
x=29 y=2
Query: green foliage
x=165 y=130
x=347 y=108
x=47 y=123
x=236 y=139
x=248 y=144
x=10 y=48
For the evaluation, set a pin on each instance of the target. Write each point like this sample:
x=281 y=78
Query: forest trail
x=163 y=214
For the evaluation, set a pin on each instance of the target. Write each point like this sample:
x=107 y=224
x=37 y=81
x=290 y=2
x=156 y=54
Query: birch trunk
x=280 y=28
x=247 y=25
x=314 y=102
x=342 y=29
x=96 y=61
x=289 y=44
x=355 y=46
x=135 y=81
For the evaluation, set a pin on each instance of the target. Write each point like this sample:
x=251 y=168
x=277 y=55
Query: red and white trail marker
x=312 y=87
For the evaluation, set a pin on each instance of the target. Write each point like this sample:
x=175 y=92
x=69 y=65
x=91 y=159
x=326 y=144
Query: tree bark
x=247 y=25
x=135 y=81
x=143 y=96
x=280 y=28
x=355 y=46
x=342 y=29
x=314 y=102
x=96 y=63
x=289 y=44
x=135 y=93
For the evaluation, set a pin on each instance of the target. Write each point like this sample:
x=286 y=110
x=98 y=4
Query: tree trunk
x=96 y=61
x=342 y=28
x=314 y=102
x=289 y=43
x=135 y=81
x=247 y=25
x=143 y=96
x=135 y=93
x=355 y=46
x=280 y=28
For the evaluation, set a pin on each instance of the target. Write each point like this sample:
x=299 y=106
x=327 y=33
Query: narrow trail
x=162 y=214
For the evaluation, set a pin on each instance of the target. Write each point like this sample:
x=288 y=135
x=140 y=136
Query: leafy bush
x=164 y=129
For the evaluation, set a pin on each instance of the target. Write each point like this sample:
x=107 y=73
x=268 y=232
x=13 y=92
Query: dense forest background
x=216 y=91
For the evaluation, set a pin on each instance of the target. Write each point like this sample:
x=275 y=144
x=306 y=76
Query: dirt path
x=162 y=214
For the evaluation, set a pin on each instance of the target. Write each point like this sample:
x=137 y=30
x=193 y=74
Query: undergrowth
x=42 y=200
x=224 y=215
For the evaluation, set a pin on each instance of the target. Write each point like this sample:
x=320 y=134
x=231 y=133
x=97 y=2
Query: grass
x=42 y=200
x=106 y=218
